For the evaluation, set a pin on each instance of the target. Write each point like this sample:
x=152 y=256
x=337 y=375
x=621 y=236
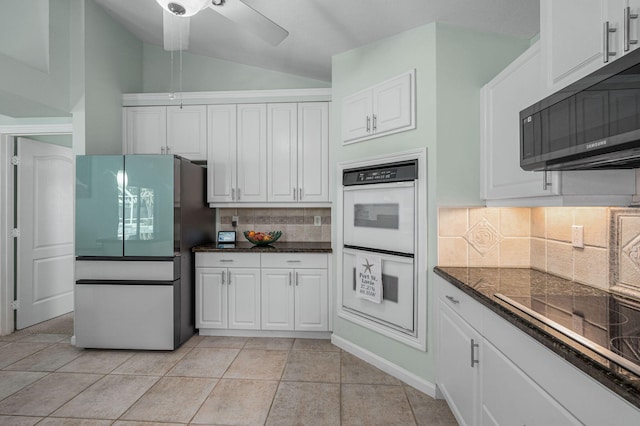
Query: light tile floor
x=208 y=381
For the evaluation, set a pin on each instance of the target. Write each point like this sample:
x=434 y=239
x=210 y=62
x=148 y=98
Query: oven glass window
x=383 y=216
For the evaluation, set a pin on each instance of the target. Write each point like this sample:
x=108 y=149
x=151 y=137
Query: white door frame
x=7 y=133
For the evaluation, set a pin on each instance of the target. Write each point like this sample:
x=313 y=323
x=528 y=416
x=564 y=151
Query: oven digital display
x=377 y=175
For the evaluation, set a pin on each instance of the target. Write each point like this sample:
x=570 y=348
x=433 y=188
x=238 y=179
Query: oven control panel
x=383 y=173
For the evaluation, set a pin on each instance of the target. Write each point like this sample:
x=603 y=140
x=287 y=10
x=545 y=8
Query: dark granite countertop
x=483 y=283
x=277 y=247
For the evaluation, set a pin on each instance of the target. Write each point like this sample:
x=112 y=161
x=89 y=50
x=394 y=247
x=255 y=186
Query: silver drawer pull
x=453 y=300
x=294 y=261
x=474 y=346
x=226 y=260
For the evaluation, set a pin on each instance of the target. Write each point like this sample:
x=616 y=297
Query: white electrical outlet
x=577 y=236
x=317 y=221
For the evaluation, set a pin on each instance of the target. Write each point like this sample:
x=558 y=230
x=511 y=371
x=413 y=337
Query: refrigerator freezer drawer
x=130 y=270
x=126 y=316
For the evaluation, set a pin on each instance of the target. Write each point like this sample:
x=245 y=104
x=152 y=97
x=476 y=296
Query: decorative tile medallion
x=482 y=236
x=632 y=251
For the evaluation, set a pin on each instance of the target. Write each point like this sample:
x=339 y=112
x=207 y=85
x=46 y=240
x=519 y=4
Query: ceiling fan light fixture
x=183 y=8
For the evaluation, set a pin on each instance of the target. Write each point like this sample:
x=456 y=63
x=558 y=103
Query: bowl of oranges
x=262 y=238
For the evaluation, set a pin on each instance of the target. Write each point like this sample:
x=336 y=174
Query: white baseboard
x=388 y=367
x=265 y=333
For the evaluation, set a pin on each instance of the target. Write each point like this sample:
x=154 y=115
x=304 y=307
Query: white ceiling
x=319 y=29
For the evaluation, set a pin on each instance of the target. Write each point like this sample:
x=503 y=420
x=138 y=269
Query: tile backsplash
x=540 y=238
x=296 y=224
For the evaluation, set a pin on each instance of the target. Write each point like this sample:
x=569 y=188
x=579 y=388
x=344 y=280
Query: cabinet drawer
x=462 y=304
x=228 y=260
x=294 y=260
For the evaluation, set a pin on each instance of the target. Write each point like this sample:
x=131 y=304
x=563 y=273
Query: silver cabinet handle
x=297 y=283
x=223 y=274
x=294 y=261
x=453 y=300
x=226 y=260
x=375 y=122
x=299 y=194
x=290 y=273
x=474 y=345
x=233 y=194
x=238 y=194
x=368 y=124
x=162 y=148
x=295 y=194
x=229 y=278
x=167 y=149
x=606 y=52
x=628 y=16
x=545 y=181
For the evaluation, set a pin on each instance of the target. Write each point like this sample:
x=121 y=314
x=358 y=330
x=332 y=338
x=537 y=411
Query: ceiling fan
x=175 y=21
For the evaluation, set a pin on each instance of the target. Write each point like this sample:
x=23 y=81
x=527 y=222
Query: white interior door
x=45 y=253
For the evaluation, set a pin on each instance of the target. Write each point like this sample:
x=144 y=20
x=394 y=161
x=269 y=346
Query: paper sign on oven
x=369 y=277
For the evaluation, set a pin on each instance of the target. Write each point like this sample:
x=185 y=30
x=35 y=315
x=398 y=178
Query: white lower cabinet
x=510 y=397
x=460 y=378
x=295 y=298
x=228 y=297
x=262 y=291
x=491 y=373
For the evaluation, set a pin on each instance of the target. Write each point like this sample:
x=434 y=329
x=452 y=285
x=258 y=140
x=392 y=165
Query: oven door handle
x=392 y=185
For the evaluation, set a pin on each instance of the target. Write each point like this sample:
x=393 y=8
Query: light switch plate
x=577 y=236
x=317 y=221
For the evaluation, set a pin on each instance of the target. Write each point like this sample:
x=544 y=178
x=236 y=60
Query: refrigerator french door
x=137 y=217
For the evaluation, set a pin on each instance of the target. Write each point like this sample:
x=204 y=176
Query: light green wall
x=466 y=60
x=26 y=90
x=201 y=73
x=451 y=66
x=113 y=66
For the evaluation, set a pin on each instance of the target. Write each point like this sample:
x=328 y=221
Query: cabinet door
x=458 y=379
x=311 y=300
x=187 y=131
x=572 y=33
x=282 y=149
x=252 y=153
x=530 y=405
x=313 y=152
x=146 y=130
x=357 y=115
x=211 y=298
x=221 y=152
x=515 y=88
x=392 y=104
x=277 y=299
x=244 y=298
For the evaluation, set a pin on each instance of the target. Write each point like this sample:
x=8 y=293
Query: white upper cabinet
x=580 y=36
x=167 y=130
x=385 y=108
x=515 y=88
x=237 y=162
x=251 y=147
x=187 y=131
x=313 y=152
x=503 y=182
x=145 y=130
x=221 y=161
x=282 y=151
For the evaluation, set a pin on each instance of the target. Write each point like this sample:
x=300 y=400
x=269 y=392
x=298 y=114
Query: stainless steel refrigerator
x=137 y=218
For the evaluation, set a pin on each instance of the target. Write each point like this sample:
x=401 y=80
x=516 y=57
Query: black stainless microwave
x=593 y=123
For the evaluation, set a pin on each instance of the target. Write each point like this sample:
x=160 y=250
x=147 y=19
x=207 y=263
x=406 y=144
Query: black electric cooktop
x=603 y=322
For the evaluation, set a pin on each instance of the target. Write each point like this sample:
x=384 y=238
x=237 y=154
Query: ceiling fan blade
x=175 y=31
x=251 y=20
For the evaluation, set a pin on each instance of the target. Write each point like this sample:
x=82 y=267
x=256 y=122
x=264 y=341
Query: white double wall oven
x=380 y=218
